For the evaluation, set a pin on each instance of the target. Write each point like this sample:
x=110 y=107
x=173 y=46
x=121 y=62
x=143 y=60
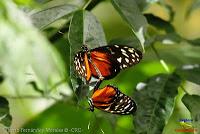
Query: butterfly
x=111 y=99
x=105 y=62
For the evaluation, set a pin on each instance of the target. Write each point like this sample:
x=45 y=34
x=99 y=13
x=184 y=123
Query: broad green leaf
x=190 y=73
x=155 y=99
x=26 y=53
x=84 y=29
x=130 y=12
x=43 y=18
x=93 y=32
x=68 y=118
x=5 y=117
x=193 y=105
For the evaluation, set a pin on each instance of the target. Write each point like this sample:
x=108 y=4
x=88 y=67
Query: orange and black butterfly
x=111 y=99
x=105 y=62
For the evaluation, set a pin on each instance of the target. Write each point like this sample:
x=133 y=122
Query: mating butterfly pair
x=105 y=63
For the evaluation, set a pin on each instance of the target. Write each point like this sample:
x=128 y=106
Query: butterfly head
x=84 y=48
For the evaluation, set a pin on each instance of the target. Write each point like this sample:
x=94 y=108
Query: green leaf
x=26 y=54
x=45 y=17
x=130 y=12
x=155 y=100
x=84 y=29
x=5 y=117
x=193 y=105
x=190 y=72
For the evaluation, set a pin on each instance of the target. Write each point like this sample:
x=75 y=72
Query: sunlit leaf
x=193 y=105
x=155 y=100
x=5 y=117
x=43 y=18
x=26 y=49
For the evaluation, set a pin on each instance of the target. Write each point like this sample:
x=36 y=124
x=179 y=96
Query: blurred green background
x=30 y=110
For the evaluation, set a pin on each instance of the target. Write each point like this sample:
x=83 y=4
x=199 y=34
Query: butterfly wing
x=111 y=59
x=102 y=59
x=82 y=65
x=112 y=100
x=106 y=61
x=125 y=56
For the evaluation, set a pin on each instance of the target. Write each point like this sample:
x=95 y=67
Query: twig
x=86 y=4
x=162 y=62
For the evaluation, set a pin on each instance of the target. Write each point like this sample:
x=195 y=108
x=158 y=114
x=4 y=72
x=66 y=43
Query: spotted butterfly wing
x=106 y=61
x=82 y=65
x=111 y=99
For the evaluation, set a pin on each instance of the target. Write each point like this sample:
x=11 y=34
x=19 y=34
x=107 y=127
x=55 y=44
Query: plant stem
x=181 y=86
x=86 y=5
x=162 y=62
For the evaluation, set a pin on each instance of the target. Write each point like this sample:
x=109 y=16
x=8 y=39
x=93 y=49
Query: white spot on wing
x=133 y=55
x=131 y=109
x=137 y=54
x=127 y=106
x=116 y=46
x=127 y=60
x=119 y=59
x=124 y=65
x=123 y=50
x=131 y=50
x=125 y=54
